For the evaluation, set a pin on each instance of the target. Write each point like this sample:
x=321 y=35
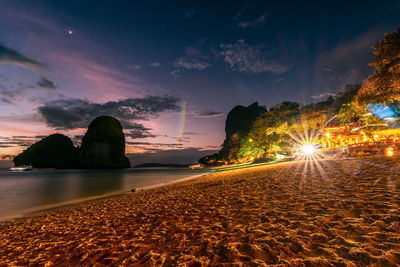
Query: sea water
x=26 y=192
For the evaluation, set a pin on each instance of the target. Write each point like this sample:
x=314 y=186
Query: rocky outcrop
x=240 y=119
x=103 y=146
x=54 y=151
x=237 y=125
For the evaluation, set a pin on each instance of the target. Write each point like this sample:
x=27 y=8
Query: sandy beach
x=333 y=212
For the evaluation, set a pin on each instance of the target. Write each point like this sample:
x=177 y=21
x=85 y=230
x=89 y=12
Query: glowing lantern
x=389 y=152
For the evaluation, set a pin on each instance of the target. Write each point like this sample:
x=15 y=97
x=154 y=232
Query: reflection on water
x=23 y=191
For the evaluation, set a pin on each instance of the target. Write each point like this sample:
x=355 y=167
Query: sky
x=170 y=71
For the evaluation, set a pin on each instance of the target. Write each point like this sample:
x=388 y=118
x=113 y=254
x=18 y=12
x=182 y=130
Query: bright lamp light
x=308 y=149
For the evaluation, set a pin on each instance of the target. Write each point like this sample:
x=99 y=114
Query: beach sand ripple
x=323 y=213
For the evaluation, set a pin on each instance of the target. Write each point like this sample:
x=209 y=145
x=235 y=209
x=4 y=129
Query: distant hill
x=160 y=165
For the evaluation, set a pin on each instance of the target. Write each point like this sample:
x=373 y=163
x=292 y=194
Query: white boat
x=21 y=168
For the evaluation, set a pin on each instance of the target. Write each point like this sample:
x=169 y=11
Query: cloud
x=7 y=157
x=8 y=90
x=197 y=57
x=191 y=133
x=170 y=156
x=150 y=147
x=45 y=83
x=154 y=64
x=256 y=23
x=18 y=141
x=191 y=64
x=322 y=96
x=189 y=13
x=242 y=57
x=182 y=139
x=154 y=144
x=78 y=61
x=347 y=62
x=76 y=113
x=135 y=67
x=207 y=114
x=246 y=17
x=10 y=56
x=138 y=131
x=183 y=64
x=15 y=92
x=6 y=100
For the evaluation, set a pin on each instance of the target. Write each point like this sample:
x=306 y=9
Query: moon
x=69 y=32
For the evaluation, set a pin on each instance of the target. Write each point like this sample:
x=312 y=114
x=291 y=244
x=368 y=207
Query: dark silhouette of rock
x=54 y=151
x=237 y=125
x=103 y=146
x=240 y=119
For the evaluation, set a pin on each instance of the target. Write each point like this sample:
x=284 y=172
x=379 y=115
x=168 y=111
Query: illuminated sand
x=280 y=214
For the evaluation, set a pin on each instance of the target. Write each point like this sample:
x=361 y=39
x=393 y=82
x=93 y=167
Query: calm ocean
x=31 y=191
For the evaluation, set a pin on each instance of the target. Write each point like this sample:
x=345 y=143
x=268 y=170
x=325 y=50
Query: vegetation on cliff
x=238 y=123
x=265 y=134
x=384 y=84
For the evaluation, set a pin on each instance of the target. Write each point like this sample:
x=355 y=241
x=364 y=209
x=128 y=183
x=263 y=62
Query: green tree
x=269 y=133
x=384 y=84
x=351 y=112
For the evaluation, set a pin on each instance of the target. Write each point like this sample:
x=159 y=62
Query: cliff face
x=103 y=145
x=55 y=151
x=240 y=119
x=237 y=125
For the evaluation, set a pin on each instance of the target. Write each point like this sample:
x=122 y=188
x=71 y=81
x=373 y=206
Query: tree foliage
x=351 y=112
x=269 y=133
x=273 y=131
x=384 y=84
x=237 y=125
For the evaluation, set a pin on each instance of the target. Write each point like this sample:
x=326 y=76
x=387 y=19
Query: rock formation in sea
x=54 y=151
x=103 y=146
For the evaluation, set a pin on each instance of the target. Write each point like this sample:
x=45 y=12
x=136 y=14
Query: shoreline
x=49 y=207
x=71 y=203
x=313 y=213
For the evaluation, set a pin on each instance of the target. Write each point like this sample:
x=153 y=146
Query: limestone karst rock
x=103 y=146
x=54 y=151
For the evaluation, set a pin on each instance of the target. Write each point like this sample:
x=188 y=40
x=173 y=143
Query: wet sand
x=322 y=213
